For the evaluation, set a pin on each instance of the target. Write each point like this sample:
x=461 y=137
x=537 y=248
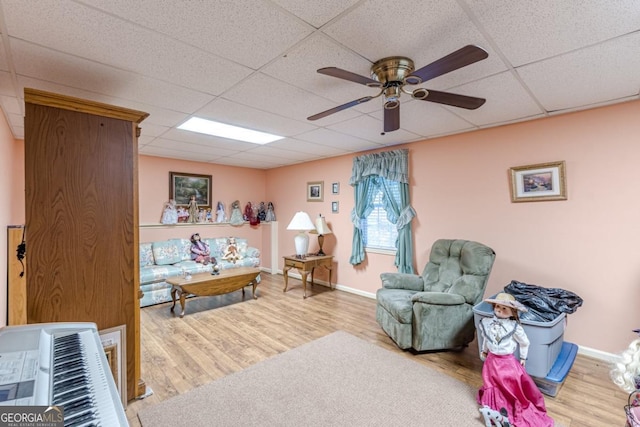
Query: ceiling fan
x=393 y=73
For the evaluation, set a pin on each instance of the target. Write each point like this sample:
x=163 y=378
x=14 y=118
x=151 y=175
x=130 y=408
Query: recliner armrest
x=411 y=282
x=438 y=298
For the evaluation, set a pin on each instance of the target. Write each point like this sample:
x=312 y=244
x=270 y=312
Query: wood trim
x=16 y=285
x=39 y=97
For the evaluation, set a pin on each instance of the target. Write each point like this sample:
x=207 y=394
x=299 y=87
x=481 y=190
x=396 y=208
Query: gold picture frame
x=114 y=343
x=538 y=183
x=315 y=191
x=184 y=185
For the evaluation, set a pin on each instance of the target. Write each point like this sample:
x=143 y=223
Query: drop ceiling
x=253 y=63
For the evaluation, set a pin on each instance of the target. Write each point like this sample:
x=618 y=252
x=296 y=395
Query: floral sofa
x=171 y=258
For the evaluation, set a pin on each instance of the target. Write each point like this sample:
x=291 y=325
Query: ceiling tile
x=45 y=64
x=89 y=33
x=506 y=100
x=314 y=12
x=254 y=63
x=366 y=127
x=230 y=112
x=282 y=98
x=561 y=83
x=528 y=31
x=218 y=27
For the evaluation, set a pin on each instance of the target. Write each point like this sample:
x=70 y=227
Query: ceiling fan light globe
x=413 y=80
x=420 y=93
x=391 y=104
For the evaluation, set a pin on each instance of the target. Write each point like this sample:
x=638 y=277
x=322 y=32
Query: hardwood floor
x=225 y=334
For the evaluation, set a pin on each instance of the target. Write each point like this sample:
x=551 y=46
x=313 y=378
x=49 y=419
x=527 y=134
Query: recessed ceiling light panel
x=209 y=127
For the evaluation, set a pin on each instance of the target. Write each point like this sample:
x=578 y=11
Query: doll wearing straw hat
x=506 y=384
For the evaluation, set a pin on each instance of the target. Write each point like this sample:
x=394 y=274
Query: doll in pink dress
x=506 y=384
x=200 y=251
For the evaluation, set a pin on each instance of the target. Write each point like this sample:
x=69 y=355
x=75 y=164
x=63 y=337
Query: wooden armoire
x=81 y=183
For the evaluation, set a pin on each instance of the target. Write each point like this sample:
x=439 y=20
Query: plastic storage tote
x=545 y=337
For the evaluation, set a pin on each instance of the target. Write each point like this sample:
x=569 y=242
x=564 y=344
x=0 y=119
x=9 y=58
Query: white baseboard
x=598 y=354
x=585 y=351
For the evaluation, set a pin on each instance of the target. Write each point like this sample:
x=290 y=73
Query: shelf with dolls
x=189 y=224
x=174 y=215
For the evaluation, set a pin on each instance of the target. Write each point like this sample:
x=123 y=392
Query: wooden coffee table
x=207 y=284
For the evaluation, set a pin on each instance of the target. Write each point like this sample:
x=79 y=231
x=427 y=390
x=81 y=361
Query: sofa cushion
x=166 y=252
x=146 y=254
x=184 y=248
x=193 y=267
x=154 y=273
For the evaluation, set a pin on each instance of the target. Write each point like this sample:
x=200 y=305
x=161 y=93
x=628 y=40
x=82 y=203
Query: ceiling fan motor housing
x=391 y=72
x=392 y=69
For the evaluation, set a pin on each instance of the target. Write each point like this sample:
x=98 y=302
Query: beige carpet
x=337 y=380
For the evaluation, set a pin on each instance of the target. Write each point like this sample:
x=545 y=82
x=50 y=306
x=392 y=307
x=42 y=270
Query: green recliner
x=434 y=311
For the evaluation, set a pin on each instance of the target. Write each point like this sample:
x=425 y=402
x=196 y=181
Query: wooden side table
x=305 y=266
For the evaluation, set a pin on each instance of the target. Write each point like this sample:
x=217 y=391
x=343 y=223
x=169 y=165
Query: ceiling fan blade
x=392 y=119
x=348 y=75
x=458 y=59
x=454 y=99
x=340 y=108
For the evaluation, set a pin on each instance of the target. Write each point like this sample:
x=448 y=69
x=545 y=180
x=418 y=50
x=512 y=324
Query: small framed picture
x=537 y=183
x=335 y=188
x=315 y=191
x=335 y=207
x=114 y=343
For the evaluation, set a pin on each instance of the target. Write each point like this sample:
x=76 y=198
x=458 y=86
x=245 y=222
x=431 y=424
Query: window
x=379 y=232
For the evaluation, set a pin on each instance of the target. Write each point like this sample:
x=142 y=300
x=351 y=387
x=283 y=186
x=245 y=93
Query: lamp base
x=301 y=242
x=320 y=242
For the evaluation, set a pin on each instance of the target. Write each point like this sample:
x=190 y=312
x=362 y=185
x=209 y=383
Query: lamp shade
x=321 y=226
x=301 y=222
x=321 y=229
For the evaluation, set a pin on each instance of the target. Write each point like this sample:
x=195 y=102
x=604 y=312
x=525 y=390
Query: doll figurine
x=626 y=371
x=170 y=213
x=193 y=210
x=248 y=211
x=262 y=212
x=253 y=219
x=221 y=215
x=200 y=251
x=271 y=215
x=183 y=215
x=506 y=384
x=202 y=215
x=236 y=215
x=231 y=253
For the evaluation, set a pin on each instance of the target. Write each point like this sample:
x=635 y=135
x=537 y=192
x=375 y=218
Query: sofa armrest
x=438 y=298
x=411 y=282
x=252 y=252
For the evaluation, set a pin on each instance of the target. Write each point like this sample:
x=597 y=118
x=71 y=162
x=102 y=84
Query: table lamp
x=321 y=229
x=301 y=222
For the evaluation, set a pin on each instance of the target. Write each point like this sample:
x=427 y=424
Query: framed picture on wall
x=335 y=207
x=315 y=191
x=184 y=185
x=335 y=188
x=539 y=182
x=114 y=343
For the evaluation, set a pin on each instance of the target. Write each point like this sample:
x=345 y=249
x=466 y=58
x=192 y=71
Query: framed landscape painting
x=539 y=182
x=184 y=185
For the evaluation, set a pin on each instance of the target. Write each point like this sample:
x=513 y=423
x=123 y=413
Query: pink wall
x=12 y=186
x=460 y=189
x=228 y=184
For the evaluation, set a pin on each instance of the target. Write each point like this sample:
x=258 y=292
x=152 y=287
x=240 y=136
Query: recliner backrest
x=459 y=266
